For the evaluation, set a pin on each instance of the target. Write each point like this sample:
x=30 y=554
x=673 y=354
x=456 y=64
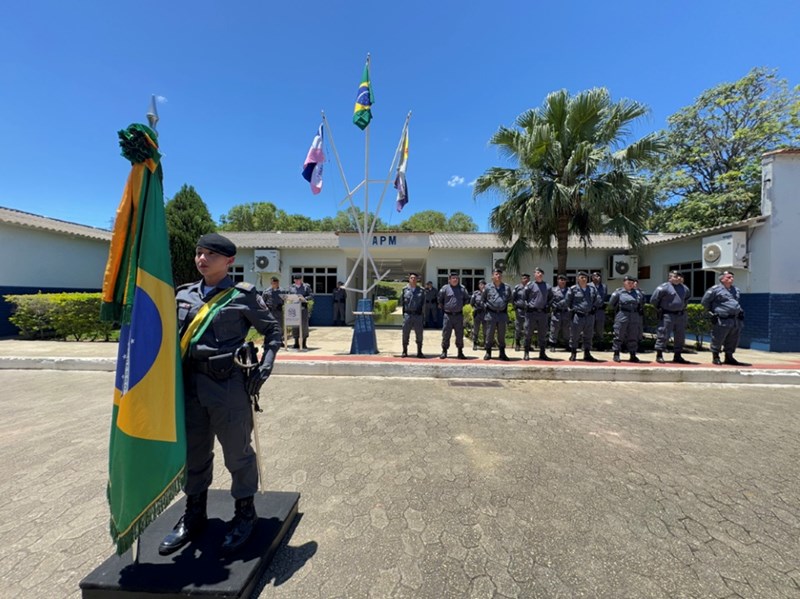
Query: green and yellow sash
x=204 y=317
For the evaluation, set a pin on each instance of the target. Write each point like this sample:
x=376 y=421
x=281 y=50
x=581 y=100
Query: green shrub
x=384 y=309
x=59 y=315
x=698 y=323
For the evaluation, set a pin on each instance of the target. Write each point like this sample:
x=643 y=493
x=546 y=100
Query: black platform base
x=199 y=569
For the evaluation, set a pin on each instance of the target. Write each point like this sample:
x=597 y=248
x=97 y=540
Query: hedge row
x=60 y=316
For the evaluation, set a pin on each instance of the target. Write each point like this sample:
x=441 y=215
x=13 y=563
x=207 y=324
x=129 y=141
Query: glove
x=260 y=375
x=740 y=315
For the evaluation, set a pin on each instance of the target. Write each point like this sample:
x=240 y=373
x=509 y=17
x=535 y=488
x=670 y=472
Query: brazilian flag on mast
x=362 y=114
x=147 y=450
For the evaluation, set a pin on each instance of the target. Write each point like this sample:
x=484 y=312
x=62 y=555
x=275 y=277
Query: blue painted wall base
x=364 y=339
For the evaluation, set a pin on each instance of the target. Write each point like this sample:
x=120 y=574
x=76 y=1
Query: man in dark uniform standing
x=303 y=290
x=216 y=392
x=538 y=297
x=273 y=298
x=478 y=314
x=722 y=303
x=413 y=300
x=627 y=303
x=670 y=300
x=452 y=299
x=518 y=301
x=600 y=315
x=431 y=300
x=496 y=297
x=339 y=302
x=559 y=315
x=583 y=300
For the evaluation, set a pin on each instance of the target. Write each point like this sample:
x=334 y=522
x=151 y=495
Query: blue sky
x=244 y=84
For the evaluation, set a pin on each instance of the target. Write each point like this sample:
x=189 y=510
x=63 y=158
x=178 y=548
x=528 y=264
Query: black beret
x=482 y=282
x=498 y=271
x=537 y=269
x=429 y=283
x=596 y=273
x=413 y=274
x=217 y=243
x=297 y=275
x=629 y=278
x=562 y=277
x=583 y=273
x=340 y=282
x=455 y=274
x=276 y=280
x=526 y=276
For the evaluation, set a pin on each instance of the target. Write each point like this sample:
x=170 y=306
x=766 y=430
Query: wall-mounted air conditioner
x=499 y=260
x=727 y=250
x=620 y=265
x=267 y=261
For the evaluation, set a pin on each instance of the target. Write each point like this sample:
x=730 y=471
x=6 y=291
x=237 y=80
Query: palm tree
x=574 y=176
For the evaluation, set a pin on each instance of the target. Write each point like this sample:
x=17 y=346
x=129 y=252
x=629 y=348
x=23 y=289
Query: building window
x=695 y=278
x=236 y=273
x=469 y=277
x=321 y=278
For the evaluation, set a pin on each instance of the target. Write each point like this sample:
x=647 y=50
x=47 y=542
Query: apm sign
x=384 y=240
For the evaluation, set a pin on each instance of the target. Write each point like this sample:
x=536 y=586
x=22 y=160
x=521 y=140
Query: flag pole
x=344 y=178
x=366 y=199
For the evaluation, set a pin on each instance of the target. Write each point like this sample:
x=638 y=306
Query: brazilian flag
x=362 y=114
x=147 y=451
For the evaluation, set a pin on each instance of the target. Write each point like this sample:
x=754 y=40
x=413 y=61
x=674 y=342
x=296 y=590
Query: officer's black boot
x=405 y=352
x=242 y=526
x=678 y=358
x=305 y=345
x=660 y=356
x=715 y=359
x=616 y=357
x=634 y=359
x=190 y=525
x=488 y=354
x=517 y=344
x=544 y=356
x=443 y=355
x=588 y=357
x=474 y=347
x=503 y=355
x=729 y=359
x=461 y=355
x=573 y=356
x=296 y=344
x=527 y=355
x=419 y=351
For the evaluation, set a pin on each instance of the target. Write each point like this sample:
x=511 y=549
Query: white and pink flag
x=312 y=168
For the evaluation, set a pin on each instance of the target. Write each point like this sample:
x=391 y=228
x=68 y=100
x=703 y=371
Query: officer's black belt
x=673 y=312
x=535 y=310
x=454 y=313
x=726 y=317
x=338 y=301
x=495 y=311
x=627 y=310
x=414 y=313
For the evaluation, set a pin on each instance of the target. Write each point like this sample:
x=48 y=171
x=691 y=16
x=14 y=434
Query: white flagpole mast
x=366 y=195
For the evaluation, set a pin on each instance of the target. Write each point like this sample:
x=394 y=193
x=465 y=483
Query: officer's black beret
x=629 y=278
x=217 y=243
x=498 y=271
x=526 y=275
x=537 y=269
x=596 y=273
x=275 y=280
x=482 y=282
x=340 y=282
x=583 y=273
x=297 y=275
x=454 y=274
x=562 y=277
x=413 y=274
x=429 y=283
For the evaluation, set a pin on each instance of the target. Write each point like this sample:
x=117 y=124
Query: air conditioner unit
x=267 y=261
x=727 y=250
x=499 y=260
x=622 y=264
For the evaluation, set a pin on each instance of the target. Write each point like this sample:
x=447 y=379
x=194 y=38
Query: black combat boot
x=517 y=345
x=715 y=359
x=503 y=355
x=616 y=357
x=305 y=345
x=588 y=357
x=296 y=344
x=419 y=351
x=573 y=356
x=405 y=352
x=660 y=356
x=544 y=356
x=443 y=355
x=634 y=359
x=474 y=347
x=242 y=526
x=729 y=359
x=190 y=525
x=461 y=355
x=487 y=355
x=679 y=359
x=527 y=355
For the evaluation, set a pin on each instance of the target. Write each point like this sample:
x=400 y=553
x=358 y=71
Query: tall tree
x=427 y=220
x=461 y=223
x=187 y=220
x=573 y=175
x=256 y=216
x=710 y=173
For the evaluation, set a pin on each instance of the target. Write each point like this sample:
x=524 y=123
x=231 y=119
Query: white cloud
x=455 y=181
x=161 y=99
x=472 y=183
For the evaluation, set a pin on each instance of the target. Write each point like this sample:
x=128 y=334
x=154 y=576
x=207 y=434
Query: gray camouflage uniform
x=478 y=315
x=518 y=301
x=538 y=298
x=452 y=301
x=559 y=316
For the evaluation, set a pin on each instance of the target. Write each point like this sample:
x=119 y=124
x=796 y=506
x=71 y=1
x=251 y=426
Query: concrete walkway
x=329 y=355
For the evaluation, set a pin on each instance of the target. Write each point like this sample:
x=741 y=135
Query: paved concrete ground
x=427 y=488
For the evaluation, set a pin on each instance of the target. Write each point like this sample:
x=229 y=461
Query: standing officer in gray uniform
x=478 y=314
x=413 y=301
x=216 y=393
x=722 y=303
x=452 y=299
x=518 y=300
x=670 y=300
x=538 y=298
x=304 y=291
x=600 y=315
x=339 y=302
x=628 y=304
x=583 y=301
x=559 y=314
x=496 y=297
x=274 y=301
x=431 y=299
